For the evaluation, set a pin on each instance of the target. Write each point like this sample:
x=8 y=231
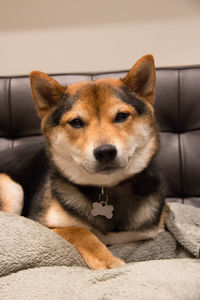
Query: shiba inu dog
x=95 y=182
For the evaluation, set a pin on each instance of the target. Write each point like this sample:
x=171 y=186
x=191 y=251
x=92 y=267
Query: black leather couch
x=177 y=108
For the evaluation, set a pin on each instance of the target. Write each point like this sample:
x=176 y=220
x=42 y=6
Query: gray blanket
x=36 y=263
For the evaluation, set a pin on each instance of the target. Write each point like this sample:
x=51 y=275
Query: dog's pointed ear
x=141 y=79
x=46 y=92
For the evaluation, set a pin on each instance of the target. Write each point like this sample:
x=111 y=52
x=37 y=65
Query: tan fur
x=95 y=254
x=145 y=212
x=38 y=88
x=165 y=213
x=97 y=107
x=11 y=195
x=145 y=91
x=72 y=151
x=113 y=238
x=98 y=114
x=98 y=132
x=56 y=216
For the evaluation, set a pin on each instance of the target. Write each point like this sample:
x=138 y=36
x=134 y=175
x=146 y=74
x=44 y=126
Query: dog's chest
x=72 y=205
x=121 y=228
x=110 y=211
x=78 y=203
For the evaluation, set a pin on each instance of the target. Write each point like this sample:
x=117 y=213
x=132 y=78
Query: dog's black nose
x=105 y=153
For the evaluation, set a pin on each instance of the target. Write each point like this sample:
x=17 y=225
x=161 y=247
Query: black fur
x=126 y=95
x=65 y=104
x=32 y=167
x=28 y=166
x=126 y=198
x=67 y=101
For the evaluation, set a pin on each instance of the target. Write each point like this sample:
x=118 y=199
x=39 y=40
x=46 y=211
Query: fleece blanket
x=36 y=263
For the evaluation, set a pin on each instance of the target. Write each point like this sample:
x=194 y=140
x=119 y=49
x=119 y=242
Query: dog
x=94 y=181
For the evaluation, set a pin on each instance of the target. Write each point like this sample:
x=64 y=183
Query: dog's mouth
x=103 y=170
x=107 y=169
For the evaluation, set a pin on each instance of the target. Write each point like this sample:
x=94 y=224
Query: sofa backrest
x=177 y=107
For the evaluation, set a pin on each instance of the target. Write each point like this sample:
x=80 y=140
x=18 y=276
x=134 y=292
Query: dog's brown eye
x=77 y=123
x=121 y=117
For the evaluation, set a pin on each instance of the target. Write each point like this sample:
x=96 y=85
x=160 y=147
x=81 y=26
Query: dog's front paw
x=102 y=262
x=115 y=262
x=95 y=254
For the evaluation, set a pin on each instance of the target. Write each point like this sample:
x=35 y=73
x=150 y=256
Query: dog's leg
x=95 y=254
x=11 y=195
x=164 y=214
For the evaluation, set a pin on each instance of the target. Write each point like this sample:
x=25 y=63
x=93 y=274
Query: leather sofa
x=177 y=107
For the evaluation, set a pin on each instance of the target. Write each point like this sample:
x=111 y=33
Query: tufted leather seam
x=179 y=68
x=9 y=107
x=179 y=140
x=180 y=132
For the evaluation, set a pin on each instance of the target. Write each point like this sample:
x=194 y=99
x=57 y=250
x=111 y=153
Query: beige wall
x=90 y=35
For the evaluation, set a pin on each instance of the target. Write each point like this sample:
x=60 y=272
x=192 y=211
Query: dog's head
x=101 y=132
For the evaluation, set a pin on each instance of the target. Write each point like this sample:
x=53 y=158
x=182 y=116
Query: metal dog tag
x=102 y=208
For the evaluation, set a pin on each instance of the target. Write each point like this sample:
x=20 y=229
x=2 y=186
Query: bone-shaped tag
x=102 y=210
